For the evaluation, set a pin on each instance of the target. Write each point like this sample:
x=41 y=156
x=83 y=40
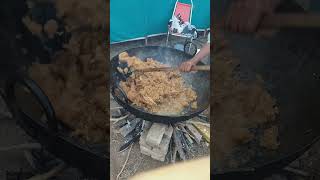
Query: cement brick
x=155 y=134
x=147 y=125
x=156 y=152
x=165 y=142
x=169 y=131
x=164 y=145
x=159 y=158
x=159 y=152
x=142 y=141
x=145 y=151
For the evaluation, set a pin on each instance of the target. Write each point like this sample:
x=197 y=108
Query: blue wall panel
x=131 y=19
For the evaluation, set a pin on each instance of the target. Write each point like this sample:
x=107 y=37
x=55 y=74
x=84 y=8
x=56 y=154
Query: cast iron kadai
x=200 y=82
x=298 y=99
x=91 y=159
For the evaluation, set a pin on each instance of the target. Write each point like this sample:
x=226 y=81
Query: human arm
x=187 y=66
x=246 y=15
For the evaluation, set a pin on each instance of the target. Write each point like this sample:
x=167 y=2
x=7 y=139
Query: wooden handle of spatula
x=201 y=68
x=194 y=68
x=290 y=20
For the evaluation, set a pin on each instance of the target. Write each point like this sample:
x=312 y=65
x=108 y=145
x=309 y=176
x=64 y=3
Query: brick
x=164 y=145
x=155 y=134
x=156 y=152
x=159 y=158
x=145 y=151
x=142 y=140
x=147 y=125
x=169 y=131
x=159 y=151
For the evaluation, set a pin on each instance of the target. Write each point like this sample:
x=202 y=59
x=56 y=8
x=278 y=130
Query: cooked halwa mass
x=75 y=83
x=158 y=92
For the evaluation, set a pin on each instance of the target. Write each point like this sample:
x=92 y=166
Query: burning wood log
x=194 y=132
x=178 y=144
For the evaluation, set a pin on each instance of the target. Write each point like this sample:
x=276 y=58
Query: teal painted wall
x=131 y=19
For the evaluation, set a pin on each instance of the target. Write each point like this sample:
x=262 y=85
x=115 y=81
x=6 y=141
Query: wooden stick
x=178 y=144
x=195 y=68
x=199 y=122
x=289 y=20
x=201 y=68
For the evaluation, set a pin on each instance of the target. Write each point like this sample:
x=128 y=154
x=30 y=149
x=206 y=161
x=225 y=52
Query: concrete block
x=169 y=131
x=164 y=145
x=142 y=140
x=159 y=151
x=159 y=158
x=155 y=134
x=147 y=125
x=145 y=151
x=158 y=154
x=154 y=153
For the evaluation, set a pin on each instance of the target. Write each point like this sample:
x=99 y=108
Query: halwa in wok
x=157 y=92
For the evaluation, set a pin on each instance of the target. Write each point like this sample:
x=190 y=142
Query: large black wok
x=295 y=85
x=33 y=112
x=200 y=82
x=289 y=64
x=292 y=78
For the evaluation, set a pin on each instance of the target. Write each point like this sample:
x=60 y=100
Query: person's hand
x=245 y=15
x=187 y=66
